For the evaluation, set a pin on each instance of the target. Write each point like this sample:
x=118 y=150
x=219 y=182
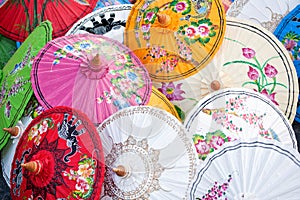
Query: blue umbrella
x=288 y=32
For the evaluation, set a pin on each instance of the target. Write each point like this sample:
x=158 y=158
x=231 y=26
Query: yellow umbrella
x=175 y=38
x=159 y=100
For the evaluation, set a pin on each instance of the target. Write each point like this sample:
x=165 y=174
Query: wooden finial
x=32 y=166
x=132 y=1
x=163 y=19
x=215 y=85
x=96 y=61
x=120 y=171
x=14 y=131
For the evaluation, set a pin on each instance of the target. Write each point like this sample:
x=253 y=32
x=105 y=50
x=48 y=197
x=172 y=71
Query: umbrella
x=59 y=156
x=147 y=155
x=249 y=169
x=233 y=113
x=288 y=32
x=19 y=18
x=109 y=21
x=95 y=74
x=8 y=152
x=173 y=38
x=227 y=4
x=105 y=3
x=7 y=49
x=16 y=87
x=32 y=110
x=250 y=57
x=267 y=13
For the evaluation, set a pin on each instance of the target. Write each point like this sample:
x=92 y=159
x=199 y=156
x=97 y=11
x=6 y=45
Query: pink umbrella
x=91 y=73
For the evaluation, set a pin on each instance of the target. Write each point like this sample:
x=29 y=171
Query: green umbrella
x=7 y=49
x=16 y=89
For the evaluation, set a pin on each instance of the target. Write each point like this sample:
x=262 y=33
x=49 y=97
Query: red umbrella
x=19 y=17
x=59 y=156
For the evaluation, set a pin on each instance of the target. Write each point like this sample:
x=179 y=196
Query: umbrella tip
x=14 y=131
x=96 y=61
x=163 y=19
x=215 y=85
x=132 y=1
x=32 y=166
x=120 y=171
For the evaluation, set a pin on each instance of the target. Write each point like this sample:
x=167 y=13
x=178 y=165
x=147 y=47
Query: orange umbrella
x=173 y=38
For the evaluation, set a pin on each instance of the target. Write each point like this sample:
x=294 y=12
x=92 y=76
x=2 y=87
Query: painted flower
x=270 y=71
x=68 y=48
x=84 y=170
x=172 y=92
x=121 y=58
x=181 y=6
x=145 y=28
x=248 y=53
x=216 y=141
x=289 y=44
x=270 y=96
x=149 y=16
x=81 y=184
x=252 y=73
x=132 y=76
x=191 y=31
x=43 y=127
x=202 y=147
x=7 y=109
x=204 y=30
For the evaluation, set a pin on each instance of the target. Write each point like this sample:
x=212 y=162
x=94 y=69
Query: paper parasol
x=233 y=113
x=16 y=87
x=109 y=21
x=19 y=18
x=7 y=49
x=159 y=100
x=106 y=3
x=174 y=39
x=147 y=155
x=250 y=57
x=267 y=13
x=91 y=73
x=249 y=169
x=59 y=156
x=288 y=32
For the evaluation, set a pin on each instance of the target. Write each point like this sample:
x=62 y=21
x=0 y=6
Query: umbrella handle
x=13 y=131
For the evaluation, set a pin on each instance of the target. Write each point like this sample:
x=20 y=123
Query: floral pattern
x=125 y=81
x=37 y=130
x=291 y=41
x=171 y=91
x=261 y=75
x=197 y=31
x=217 y=191
x=209 y=143
x=84 y=178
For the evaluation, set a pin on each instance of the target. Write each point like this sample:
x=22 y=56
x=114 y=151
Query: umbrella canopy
x=95 y=74
x=7 y=49
x=147 y=155
x=250 y=57
x=233 y=113
x=16 y=88
x=267 y=13
x=288 y=32
x=59 y=156
x=109 y=21
x=249 y=169
x=159 y=100
x=105 y=3
x=173 y=38
x=19 y=18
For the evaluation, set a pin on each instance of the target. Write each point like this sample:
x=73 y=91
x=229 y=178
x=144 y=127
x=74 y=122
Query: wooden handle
x=14 y=131
x=120 y=170
x=32 y=166
x=163 y=19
